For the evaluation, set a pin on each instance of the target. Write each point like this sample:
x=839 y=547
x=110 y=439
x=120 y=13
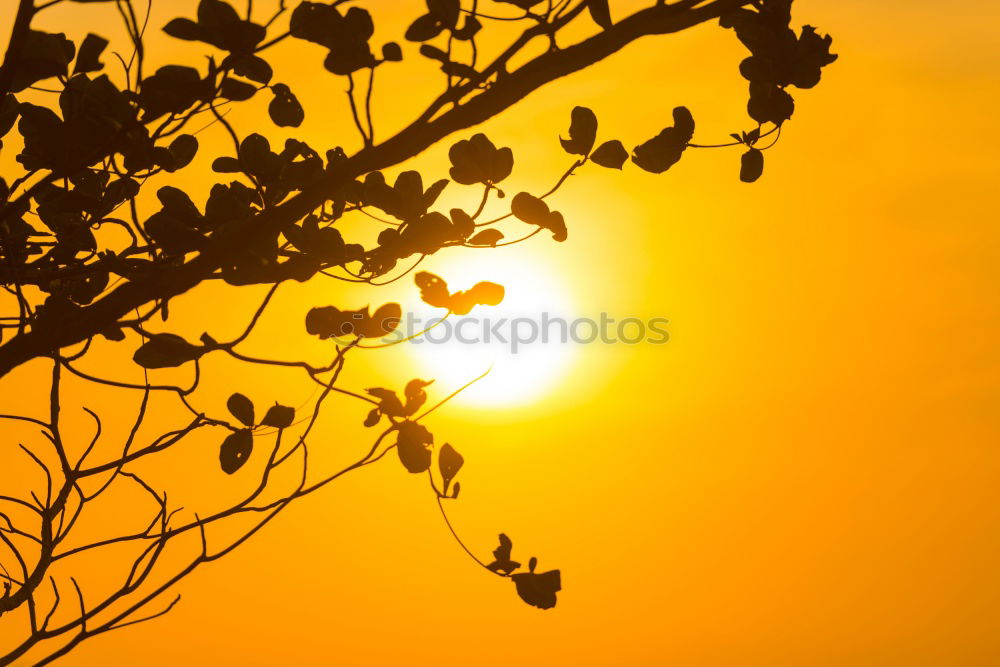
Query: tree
x=97 y=136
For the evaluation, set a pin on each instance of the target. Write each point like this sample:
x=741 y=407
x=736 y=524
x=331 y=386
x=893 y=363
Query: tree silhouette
x=101 y=132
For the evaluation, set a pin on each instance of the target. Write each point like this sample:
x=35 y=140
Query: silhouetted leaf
x=236 y=90
x=415 y=395
x=611 y=154
x=449 y=463
x=769 y=103
x=433 y=290
x=166 y=351
x=446 y=11
x=89 y=55
x=383 y=321
x=182 y=150
x=226 y=165
x=582 y=132
x=241 y=407
x=535 y=211
x=487 y=237
x=9 y=107
x=182 y=28
x=391 y=52
x=455 y=491
x=389 y=403
x=600 y=12
x=462 y=222
x=425 y=27
x=751 y=165
x=278 y=416
x=538 y=590
x=285 y=109
x=373 y=417
x=477 y=160
x=235 y=451
x=413 y=446
x=42 y=55
x=665 y=149
x=254 y=68
x=501 y=557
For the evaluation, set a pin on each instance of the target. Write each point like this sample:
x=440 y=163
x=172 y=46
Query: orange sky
x=805 y=475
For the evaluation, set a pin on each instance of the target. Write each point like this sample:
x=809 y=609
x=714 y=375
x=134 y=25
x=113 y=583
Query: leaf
x=236 y=90
x=600 y=12
x=751 y=165
x=285 y=109
x=373 y=417
x=389 y=403
x=501 y=557
x=166 y=351
x=665 y=149
x=415 y=395
x=9 y=109
x=413 y=446
x=278 y=416
x=241 y=407
x=254 y=68
x=477 y=160
x=235 y=451
x=610 y=154
x=383 y=321
x=487 y=237
x=433 y=290
x=185 y=29
x=88 y=57
x=391 y=52
x=533 y=210
x=182 y=150
x=42 y=55
x=538 y=590
x=426 y=27
x=449 y=463
x=582 y=132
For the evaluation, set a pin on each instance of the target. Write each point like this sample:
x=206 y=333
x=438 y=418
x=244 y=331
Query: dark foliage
x=110 y=130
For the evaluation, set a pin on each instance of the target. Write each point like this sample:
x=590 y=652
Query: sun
x=520 y=342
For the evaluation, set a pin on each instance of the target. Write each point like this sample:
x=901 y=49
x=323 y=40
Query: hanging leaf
x=449 y=463
x=181 y=150
x=535 y=211
x=600 y=12
x=415 y=395
x=285 y=109
x=166 y=351
x=392 y=52
x=751 y=165
x=582 y=132
x=89 y=55
x=413 y=446
x=487 y=237
x=477 y=160
x=433 y=290
x=538 y=590
x=236 y=90
x=241 y=407
x=235 y=451
x=502 y=562
x=665 y=149
x=373 y=417
x=389 y=403
x=611 y=154
x=278 y=416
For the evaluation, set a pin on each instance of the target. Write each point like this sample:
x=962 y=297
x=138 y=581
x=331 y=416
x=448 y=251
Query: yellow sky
x=805 y=475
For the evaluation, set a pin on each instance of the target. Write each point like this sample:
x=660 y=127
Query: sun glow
x=524 y=362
